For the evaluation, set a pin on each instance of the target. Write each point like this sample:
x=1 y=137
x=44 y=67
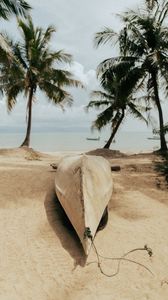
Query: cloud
x=88 y=78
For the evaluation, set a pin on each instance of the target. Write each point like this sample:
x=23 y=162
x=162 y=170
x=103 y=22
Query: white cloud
x=88 y=78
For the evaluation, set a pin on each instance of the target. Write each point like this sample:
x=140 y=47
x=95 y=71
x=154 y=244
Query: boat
x=93 y=139
x=84 y=186
x=156 y=138
x=113 y=141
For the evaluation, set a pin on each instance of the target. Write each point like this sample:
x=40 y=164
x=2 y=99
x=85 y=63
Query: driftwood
x=116 y=168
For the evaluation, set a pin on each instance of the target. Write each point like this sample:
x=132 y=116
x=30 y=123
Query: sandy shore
x=40 y=258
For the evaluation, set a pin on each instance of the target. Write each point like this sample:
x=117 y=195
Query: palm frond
x=102 y=95
x=61 y=56
x=47 y=36
x=103 y=119
x=55 y=94
x=16 y=7
x=162 y=12
x=12 y=92
x=59 y=77
x=105 y=36
x=97 y=104
x=5 y=45
x=19 y=56
x=136 y=112
x=115 y=63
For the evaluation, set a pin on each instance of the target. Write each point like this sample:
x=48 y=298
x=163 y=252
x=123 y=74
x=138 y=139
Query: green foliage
x=16 y=7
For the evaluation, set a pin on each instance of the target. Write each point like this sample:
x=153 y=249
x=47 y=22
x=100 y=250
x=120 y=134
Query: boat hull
x=84 y=187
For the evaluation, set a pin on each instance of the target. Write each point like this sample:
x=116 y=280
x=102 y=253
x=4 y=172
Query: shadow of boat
x=64 y=229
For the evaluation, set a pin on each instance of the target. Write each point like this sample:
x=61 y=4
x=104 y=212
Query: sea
x=130 y=141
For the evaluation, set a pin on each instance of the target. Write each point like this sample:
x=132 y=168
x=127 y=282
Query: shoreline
x=132 y=142
x=132 y=151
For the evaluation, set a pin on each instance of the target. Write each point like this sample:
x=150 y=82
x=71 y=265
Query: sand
x=40 y=258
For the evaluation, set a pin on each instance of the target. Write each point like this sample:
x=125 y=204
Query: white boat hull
x=84 y=187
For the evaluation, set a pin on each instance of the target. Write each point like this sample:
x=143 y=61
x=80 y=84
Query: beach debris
x=54 y=166
x=116 y=168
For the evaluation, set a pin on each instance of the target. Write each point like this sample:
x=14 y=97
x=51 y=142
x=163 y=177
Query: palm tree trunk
x=163 y=145
x=26 y=141
x=107 y=145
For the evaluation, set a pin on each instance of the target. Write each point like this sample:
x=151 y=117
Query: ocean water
x=77 y=141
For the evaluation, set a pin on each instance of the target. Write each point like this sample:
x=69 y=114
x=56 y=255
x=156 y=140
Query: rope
x=119 y=259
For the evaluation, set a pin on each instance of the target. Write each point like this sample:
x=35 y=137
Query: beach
x=42 y=259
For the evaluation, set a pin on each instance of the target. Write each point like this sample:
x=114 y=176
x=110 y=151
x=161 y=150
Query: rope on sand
x=119 y=259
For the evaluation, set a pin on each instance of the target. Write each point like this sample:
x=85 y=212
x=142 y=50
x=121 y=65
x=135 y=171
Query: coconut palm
x=34 y=66
x=119 y=85
x=13 y=7
x=144 y=39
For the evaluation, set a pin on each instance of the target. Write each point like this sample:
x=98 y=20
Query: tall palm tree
x=119 y=85
x=144 y=39
x=13 y=7
x=34 y=66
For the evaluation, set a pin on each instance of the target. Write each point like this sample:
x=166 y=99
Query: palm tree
x=16 y=7
x=144 y=39
x=32 y=67
x=119 y=84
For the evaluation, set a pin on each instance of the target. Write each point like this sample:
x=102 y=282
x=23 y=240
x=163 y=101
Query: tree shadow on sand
x=64 y=229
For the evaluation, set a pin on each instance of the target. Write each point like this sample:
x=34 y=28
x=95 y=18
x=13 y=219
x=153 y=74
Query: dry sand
x=41 y=259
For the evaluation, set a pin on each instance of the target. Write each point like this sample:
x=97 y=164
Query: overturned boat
x=84 y=187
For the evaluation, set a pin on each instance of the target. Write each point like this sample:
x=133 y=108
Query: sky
x=76 y=23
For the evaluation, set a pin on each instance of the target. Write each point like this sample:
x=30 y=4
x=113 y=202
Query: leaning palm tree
x=144 y=40
x=34 y=66
x=117 y=98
